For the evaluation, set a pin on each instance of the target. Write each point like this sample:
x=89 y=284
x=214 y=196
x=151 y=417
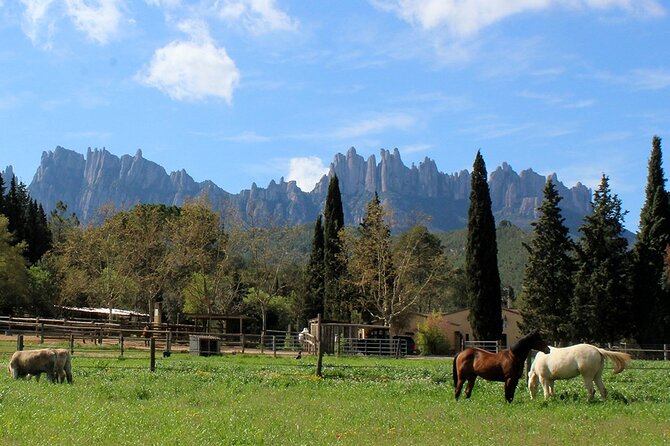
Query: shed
x=204 y=345
x=330 y=329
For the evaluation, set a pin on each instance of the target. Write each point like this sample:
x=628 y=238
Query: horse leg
x=510 y=388
x=532 y=384
x=547 y=388
x=588 y=383
x=471 y=384
x=599 y=382
x=459 y=387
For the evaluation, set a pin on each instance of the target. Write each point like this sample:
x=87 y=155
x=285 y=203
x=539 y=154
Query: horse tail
x=619 y=359
x=455 y=371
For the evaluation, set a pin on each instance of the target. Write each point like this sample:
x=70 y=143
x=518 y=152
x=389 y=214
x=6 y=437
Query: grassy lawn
x=246 y=399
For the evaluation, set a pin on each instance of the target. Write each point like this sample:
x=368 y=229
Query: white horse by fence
x=565 y=363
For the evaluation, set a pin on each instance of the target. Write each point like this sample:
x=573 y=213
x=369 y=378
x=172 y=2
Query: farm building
x=457 y=327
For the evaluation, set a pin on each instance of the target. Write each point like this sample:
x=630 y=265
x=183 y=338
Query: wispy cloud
x=646 y=79
x=257 y=16
x=193 y=69
x=374 y=125
x=466 y=18
x=247 y=137
x=556 y=100
x=99 y=20
x=306 y=171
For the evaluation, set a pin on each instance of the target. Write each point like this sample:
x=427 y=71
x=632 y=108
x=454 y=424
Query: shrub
x=432 y=337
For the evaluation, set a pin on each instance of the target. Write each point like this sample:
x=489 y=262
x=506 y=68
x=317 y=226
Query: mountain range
x=414 y=194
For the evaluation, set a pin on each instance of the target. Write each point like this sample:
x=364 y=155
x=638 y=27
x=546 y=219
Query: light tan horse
x=566 y=363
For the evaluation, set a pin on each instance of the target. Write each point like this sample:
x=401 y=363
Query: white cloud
x=192 y=70
x=257 y=16
x=306 y=171
x=466 y=18
x=99 y=20
x=35 y=18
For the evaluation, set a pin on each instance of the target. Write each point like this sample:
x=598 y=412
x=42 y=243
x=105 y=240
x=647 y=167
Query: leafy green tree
x=14 y=280
x=548 y=283
x=481 y=265
x=423 y=270
x=601 y=306
x=336 y=299
x=42 y=291
x=650 y=298
x=314 y=289
x=371 y=267
x=432 y=336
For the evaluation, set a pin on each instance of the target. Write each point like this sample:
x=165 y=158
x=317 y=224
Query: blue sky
x=242 y=91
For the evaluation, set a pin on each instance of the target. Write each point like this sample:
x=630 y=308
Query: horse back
x=490 y=366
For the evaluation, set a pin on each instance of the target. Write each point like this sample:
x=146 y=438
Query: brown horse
x=506 y=366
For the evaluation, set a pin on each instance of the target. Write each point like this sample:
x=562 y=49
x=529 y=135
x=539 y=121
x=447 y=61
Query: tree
x=60 y=222
x=423 y=270
x=601 y=306
x=13 y=272
x=481 y=265
x=548 y=281
x=650 y=298
x=336 y=300
x=371 y=267
x=314 y=281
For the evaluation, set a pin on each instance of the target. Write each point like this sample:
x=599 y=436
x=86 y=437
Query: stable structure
x=104 y=313
x=332 y=330
x=216 y=323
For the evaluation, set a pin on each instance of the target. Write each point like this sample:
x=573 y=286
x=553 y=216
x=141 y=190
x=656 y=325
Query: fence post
x=19 y=342
x=274 y=346
x=168 y=343
x=319 y=350
x=71 y=344
x=152 y=363
x=262 y=341
x=41 y=332
x=121 y=342
x=337 y=344
x=242 y=340
x=665 y=352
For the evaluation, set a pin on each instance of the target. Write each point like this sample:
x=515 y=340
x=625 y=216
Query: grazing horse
x=565 y=363
x=506 y=366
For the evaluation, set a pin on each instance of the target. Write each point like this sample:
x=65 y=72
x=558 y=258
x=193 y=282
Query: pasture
x=262 y=400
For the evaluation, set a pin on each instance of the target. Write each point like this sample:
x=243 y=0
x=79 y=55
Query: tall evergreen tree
x=650 y=299
x=2 y=195
x=601 y=306
x=313 y=296
x=37 y=233
x=548 y=281
x=481 y=259
x=336 y=302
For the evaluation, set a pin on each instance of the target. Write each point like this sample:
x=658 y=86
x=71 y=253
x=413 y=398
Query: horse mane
x=523 y=346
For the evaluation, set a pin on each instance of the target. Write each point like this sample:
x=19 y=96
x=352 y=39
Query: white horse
x=565 y=363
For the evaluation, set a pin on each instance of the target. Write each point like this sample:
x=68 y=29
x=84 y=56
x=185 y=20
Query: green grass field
x=261 y=400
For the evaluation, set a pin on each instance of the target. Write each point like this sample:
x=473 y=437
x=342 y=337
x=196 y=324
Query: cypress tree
x=335 y=301
x=601 y=306
x=2 y=195
x=313 y=297
x=650 y=299
x=548 y=280
x=481 y=259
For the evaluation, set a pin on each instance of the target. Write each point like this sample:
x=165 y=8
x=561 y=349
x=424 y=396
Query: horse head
x=536 y=342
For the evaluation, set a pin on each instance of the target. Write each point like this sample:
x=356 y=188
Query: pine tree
x=548 y=281
x=650 y=299
x=481 y=264
x=313 y=296
x=336 y=305
x=601 y=306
